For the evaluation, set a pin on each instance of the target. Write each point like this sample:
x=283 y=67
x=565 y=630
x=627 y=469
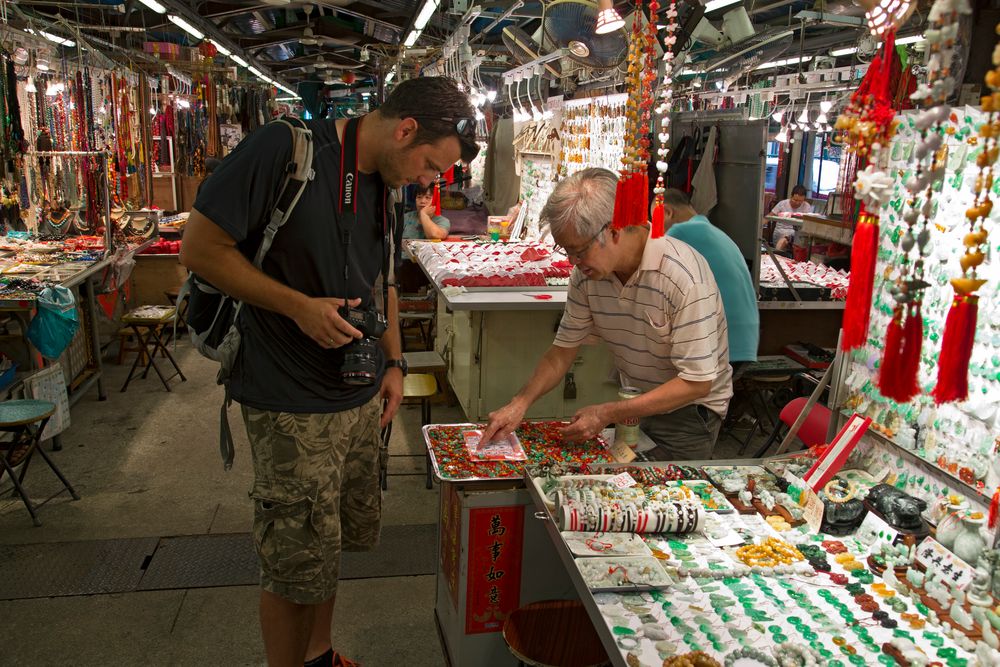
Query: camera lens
x=360 y=367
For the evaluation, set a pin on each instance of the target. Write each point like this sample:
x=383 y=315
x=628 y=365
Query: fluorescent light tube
x=412 y=38
x=844 y=52
x=220 y=48
x=712 y=5
x=782 y=63
x=430 y=6
x=256 y=72
x=185 y=26
x=155 y=6
x=902 y=40
x=239 y=61
x=52 y=38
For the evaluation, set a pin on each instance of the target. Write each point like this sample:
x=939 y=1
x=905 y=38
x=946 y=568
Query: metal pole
x=806 y=409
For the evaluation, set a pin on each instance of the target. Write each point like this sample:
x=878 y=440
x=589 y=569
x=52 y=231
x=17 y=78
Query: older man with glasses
x=655 y=304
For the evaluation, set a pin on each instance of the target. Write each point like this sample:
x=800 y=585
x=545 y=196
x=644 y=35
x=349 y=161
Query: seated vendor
x=784 y=233
x=422 y=223
x=655 y=304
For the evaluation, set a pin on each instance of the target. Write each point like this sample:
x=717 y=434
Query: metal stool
x=553 y=633
x=26 y=420
x=415 y=385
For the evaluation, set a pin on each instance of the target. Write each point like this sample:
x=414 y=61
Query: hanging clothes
x=704 y=195
x=501 y=183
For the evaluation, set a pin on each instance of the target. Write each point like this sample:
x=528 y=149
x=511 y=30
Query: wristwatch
x=398 y=363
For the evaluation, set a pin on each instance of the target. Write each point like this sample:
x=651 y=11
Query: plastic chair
x=813 y=429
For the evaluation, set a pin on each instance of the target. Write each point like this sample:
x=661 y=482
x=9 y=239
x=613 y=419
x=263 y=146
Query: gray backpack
x=211 y=315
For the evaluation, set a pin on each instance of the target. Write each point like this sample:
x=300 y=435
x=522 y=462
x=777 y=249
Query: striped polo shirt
x=667 y=321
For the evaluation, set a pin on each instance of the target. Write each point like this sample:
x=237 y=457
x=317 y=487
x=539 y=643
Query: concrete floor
x=146 y=464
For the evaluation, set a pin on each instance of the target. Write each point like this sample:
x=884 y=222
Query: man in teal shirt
x=682 y=222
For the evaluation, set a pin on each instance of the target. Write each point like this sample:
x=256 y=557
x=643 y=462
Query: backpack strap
x=298 y=174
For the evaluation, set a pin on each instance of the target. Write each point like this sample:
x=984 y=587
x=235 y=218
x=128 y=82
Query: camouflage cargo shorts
x=316 y=491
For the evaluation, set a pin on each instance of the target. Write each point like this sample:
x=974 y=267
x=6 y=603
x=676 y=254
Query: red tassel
x=859 y=292
x=619 y=214
x=892 y=357
x=657 y=230
x=909 y=371
x=437 y=199
x=956 y=350
x=898 y=373
x=994 y=509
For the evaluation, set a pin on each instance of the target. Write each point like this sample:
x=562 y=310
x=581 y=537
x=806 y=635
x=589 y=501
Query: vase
x=951 y=525
x=970 y=543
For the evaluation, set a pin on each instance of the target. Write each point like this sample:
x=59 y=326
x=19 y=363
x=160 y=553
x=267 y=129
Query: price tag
x=813 y=513
x=622 y=453
x=622 y=481
x=873 y=529
x=952 y=569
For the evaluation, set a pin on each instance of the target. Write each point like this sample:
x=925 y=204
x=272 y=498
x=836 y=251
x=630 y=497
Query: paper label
x=950 y=567
x=622 y=453
x=622 y=481
x=507 y=449
x=813 y=513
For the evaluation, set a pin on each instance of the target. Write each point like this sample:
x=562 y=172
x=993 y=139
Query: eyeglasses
x=578 y=255
x=464 y=126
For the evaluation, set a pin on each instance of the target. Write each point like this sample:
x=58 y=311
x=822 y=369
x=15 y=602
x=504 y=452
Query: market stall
x=723 y=559
x=493 y=556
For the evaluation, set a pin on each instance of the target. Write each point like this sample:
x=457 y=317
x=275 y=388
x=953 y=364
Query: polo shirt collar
x=653 y=253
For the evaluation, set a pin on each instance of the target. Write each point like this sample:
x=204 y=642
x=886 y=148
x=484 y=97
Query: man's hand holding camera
x=321 y=321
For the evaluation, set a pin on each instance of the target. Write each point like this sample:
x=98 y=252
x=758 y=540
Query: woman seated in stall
x=422 y=223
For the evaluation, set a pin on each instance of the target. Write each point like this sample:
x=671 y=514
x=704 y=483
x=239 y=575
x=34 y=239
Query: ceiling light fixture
x=412 y=38
x=782 y=136
x=52 y=38
x=783 y=63
x=912 y=39
x=185 y=26
x=608 y=18
x=777 y=116
x=426 y=12
x=822 y=119
x=885 y=14
x=220 y=48
x=155 y=6
x=712 y=5
x=803 y=118
x=836 y=53
x=825 y=107
x=239 y=61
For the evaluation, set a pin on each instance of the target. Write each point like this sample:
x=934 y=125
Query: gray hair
x=585 y=200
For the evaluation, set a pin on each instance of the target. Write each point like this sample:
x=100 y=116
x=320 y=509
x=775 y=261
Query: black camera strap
x=349 y=206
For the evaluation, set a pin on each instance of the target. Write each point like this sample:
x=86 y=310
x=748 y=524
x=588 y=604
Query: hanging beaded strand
x=960 y=326
x=663 y=111
x=899 y=371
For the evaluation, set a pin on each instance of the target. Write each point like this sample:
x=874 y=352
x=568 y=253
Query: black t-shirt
x=279 y=367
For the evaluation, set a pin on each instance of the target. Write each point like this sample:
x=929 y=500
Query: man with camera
x=321 y=349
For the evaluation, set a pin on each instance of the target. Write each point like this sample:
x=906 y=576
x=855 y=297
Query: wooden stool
x=147 y=323
x=554 y=633
x=26 y=420
x=422 y=386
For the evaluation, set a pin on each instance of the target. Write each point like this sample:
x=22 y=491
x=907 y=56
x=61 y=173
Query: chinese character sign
x=496 y=536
